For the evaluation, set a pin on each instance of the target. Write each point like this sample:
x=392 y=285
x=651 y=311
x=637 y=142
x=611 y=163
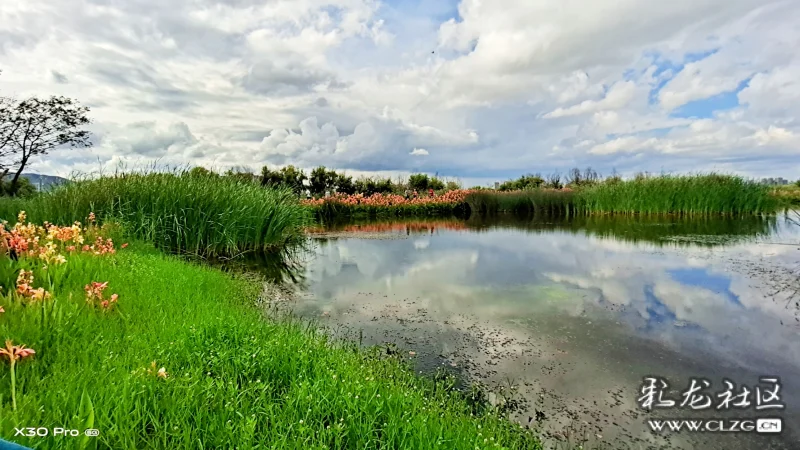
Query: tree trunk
x=12 y=190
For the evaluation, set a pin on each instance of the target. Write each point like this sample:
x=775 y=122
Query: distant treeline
x=321 y=180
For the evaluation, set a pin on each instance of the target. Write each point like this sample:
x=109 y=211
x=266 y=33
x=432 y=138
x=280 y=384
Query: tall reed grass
x=544 y=201
x=182 y=213
x=683 y=195
x=691 y=195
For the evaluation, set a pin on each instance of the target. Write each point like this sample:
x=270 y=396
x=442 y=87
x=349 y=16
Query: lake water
x=568 y=317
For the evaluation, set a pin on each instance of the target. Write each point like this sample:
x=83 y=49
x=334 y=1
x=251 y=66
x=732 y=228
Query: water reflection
x=579 y=309
x=708 y=232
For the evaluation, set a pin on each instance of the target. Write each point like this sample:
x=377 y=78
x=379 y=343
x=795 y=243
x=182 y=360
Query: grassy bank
x=204 y=215
x=182 y=359
x=691 y=195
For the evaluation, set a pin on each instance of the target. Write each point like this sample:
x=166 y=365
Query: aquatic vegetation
x=388 y=204
x=788 y=195
x=207 y=216
x=540 y=200
x=681 y=195
x=694 y=195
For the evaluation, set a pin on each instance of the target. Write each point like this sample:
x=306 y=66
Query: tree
x=419 y=181
x=554 y=181
x=200 y=172
x=243 y=174
x=435 y=183
x=452 y=185
x=321 y=180
x=528 y=181
x=344 y=184
x=294 y=178
x=34 y=127
x=24 y=188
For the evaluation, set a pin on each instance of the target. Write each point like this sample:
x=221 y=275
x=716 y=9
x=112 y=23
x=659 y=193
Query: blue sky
x=474 y=90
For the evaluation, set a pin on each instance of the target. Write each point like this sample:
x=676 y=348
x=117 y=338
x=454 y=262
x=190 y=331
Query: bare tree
x=7 y=130
x=34 y=126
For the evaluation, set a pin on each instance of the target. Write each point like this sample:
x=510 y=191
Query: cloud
x=380 y=143
x=617 y=97
x=489 y=90
x=59 y=77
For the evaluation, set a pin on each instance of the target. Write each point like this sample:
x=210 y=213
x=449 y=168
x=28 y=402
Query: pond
x=564 y=319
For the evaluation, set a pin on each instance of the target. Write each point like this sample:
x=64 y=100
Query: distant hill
x=44 y=182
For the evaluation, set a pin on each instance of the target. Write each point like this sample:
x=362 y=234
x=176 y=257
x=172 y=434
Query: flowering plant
x=449 y=198
x=14 y=353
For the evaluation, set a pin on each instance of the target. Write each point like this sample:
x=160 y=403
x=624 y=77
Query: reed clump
x=180 y=212
x=689 y=195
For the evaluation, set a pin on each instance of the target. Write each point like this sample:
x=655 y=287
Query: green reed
x=691 y=195
x=681 y=195
x=202 y=215
x=544 y=201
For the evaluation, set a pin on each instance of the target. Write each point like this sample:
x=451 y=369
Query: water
x=569 y=316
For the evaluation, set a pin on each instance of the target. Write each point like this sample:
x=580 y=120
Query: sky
x=477 y=90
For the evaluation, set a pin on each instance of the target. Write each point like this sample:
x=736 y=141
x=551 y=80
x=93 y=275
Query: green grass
x=236 y=379
x=207 y=216
x=690 y=195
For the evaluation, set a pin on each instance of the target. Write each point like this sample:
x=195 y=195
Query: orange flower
x=25 y=287
x=94 y=292
x=14 y=353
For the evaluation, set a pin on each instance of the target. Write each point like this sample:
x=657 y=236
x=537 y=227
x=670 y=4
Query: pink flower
x=15 y=352
x=125 y=245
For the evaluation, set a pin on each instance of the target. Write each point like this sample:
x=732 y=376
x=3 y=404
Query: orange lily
x=14 y=353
